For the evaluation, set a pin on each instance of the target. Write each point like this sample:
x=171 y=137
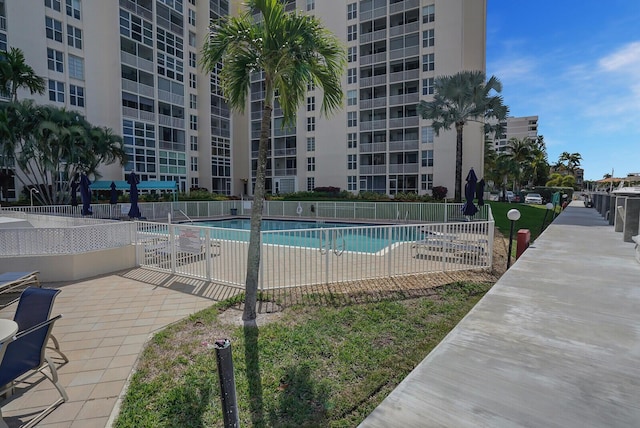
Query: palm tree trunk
x=458 y=185
x=253 y=253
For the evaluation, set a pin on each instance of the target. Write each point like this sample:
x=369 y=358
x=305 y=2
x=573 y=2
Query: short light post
x=31 y=192
x=549 y=207
x=513 y=215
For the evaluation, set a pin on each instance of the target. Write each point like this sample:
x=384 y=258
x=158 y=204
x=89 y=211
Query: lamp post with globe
x=513 y=215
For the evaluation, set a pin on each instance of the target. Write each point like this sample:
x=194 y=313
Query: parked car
x=533 y=198
x=510 y=196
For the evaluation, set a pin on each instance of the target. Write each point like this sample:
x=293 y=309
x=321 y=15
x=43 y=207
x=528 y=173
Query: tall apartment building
x=132 y=66
x=517 y=127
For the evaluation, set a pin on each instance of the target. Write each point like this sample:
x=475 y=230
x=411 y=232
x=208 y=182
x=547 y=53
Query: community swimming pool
x=326 y=236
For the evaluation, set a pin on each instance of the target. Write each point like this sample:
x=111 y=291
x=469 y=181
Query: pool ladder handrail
x=184 y=214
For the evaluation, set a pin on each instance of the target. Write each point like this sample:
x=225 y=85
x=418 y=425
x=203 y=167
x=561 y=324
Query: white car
x=533 y=198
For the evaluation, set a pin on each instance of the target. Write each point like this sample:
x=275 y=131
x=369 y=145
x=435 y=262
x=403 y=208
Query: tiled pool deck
x=105 y=323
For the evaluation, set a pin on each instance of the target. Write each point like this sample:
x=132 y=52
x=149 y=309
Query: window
x=56 y=91
x=73 y=8
x=352 y=75
x=74 y=37
x=192 y=60
x=352 y=10
x=311 y=4
x=352 y=119
x=428 y=13
x=193 y=2
x=193 y=84
x=192 y=17
x=311 y=86
x=311 y=184
x=193 y=101
x=194 y=182
x=55 y=60
x=352 y=182
x=428 y=62
x=311 y=124
x=352 y=33
x=352 y=54
x=311 y=103
x=426 y=181
x=352 y=140
x=3 y=42
x=53 y=4
x=192 y=39
x=352 y=162
x=76 y=67
x=352 y=97
x=194 y=164
x=427 y=86
x=76 y=95
x=193 y=122
x=136 y=28
x=428 y=38
x=427 y=158
x=53 y=29
x=311 y=144
x=311 y=164
x=193 y=139
x=427 y=134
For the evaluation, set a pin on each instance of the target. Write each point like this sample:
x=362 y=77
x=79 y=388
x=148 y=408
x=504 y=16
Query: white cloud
x=626 y=59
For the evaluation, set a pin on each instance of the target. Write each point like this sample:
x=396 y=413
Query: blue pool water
x=322 y=235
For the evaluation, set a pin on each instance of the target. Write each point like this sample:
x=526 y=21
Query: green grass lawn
x=531 y=217
x=317 y=366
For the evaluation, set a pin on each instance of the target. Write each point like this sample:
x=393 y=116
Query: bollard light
x=513 y=215
x=549 y=207
x=31 y=192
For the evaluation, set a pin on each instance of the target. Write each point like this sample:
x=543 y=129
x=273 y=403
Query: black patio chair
x=25 y=355
x=34 y=307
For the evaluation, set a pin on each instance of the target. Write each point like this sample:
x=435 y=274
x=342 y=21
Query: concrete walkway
x=105 y=323
x=555 y=343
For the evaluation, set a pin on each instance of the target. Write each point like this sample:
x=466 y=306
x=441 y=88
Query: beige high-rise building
x=133 y=66
x=517 y=127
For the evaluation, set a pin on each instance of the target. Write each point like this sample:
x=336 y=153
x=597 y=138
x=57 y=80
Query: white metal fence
x=405 y=212
x=423 y=238
x=315 y=256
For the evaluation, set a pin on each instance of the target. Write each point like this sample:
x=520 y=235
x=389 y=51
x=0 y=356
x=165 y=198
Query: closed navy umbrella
x=85 y=193
x=74 y=190
x=469 y=209
x=134 y=211
x=113 y=199
x=480 y=192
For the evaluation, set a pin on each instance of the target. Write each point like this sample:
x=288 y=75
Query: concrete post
x=632 y=218
x=618 y=213
x=612 y=207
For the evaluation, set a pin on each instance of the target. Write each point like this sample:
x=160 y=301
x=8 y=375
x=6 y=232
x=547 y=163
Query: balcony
x=168 y=97
x=403 y=5
x=285 y=172
x=403 y=146
x=373 y=124
x=285 y=152
x=372 y=103
x=373 y=169
x=373 y=147
x=173 y=122
x=403 y=168
x=398 y=30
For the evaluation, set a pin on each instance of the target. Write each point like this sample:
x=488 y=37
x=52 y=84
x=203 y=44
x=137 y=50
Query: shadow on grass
x=251 y=355
x=187 y=404
x=303 y=402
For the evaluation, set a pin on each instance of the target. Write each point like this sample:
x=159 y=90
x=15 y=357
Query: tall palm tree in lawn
x=464 y=97
x=15 y=73
x=521 y=152
x=573 y=162
x=291 y=50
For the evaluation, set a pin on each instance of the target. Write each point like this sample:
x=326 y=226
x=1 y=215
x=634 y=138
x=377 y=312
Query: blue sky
x=576 y=65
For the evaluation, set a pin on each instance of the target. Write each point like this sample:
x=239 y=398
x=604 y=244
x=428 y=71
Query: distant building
x=516 y=127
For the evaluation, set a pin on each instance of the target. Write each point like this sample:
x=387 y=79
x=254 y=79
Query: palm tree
x=50 y=145
x=292 y=51
x=573 y=162
x=459 y=99
x=521 y=152
x=15 y=73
